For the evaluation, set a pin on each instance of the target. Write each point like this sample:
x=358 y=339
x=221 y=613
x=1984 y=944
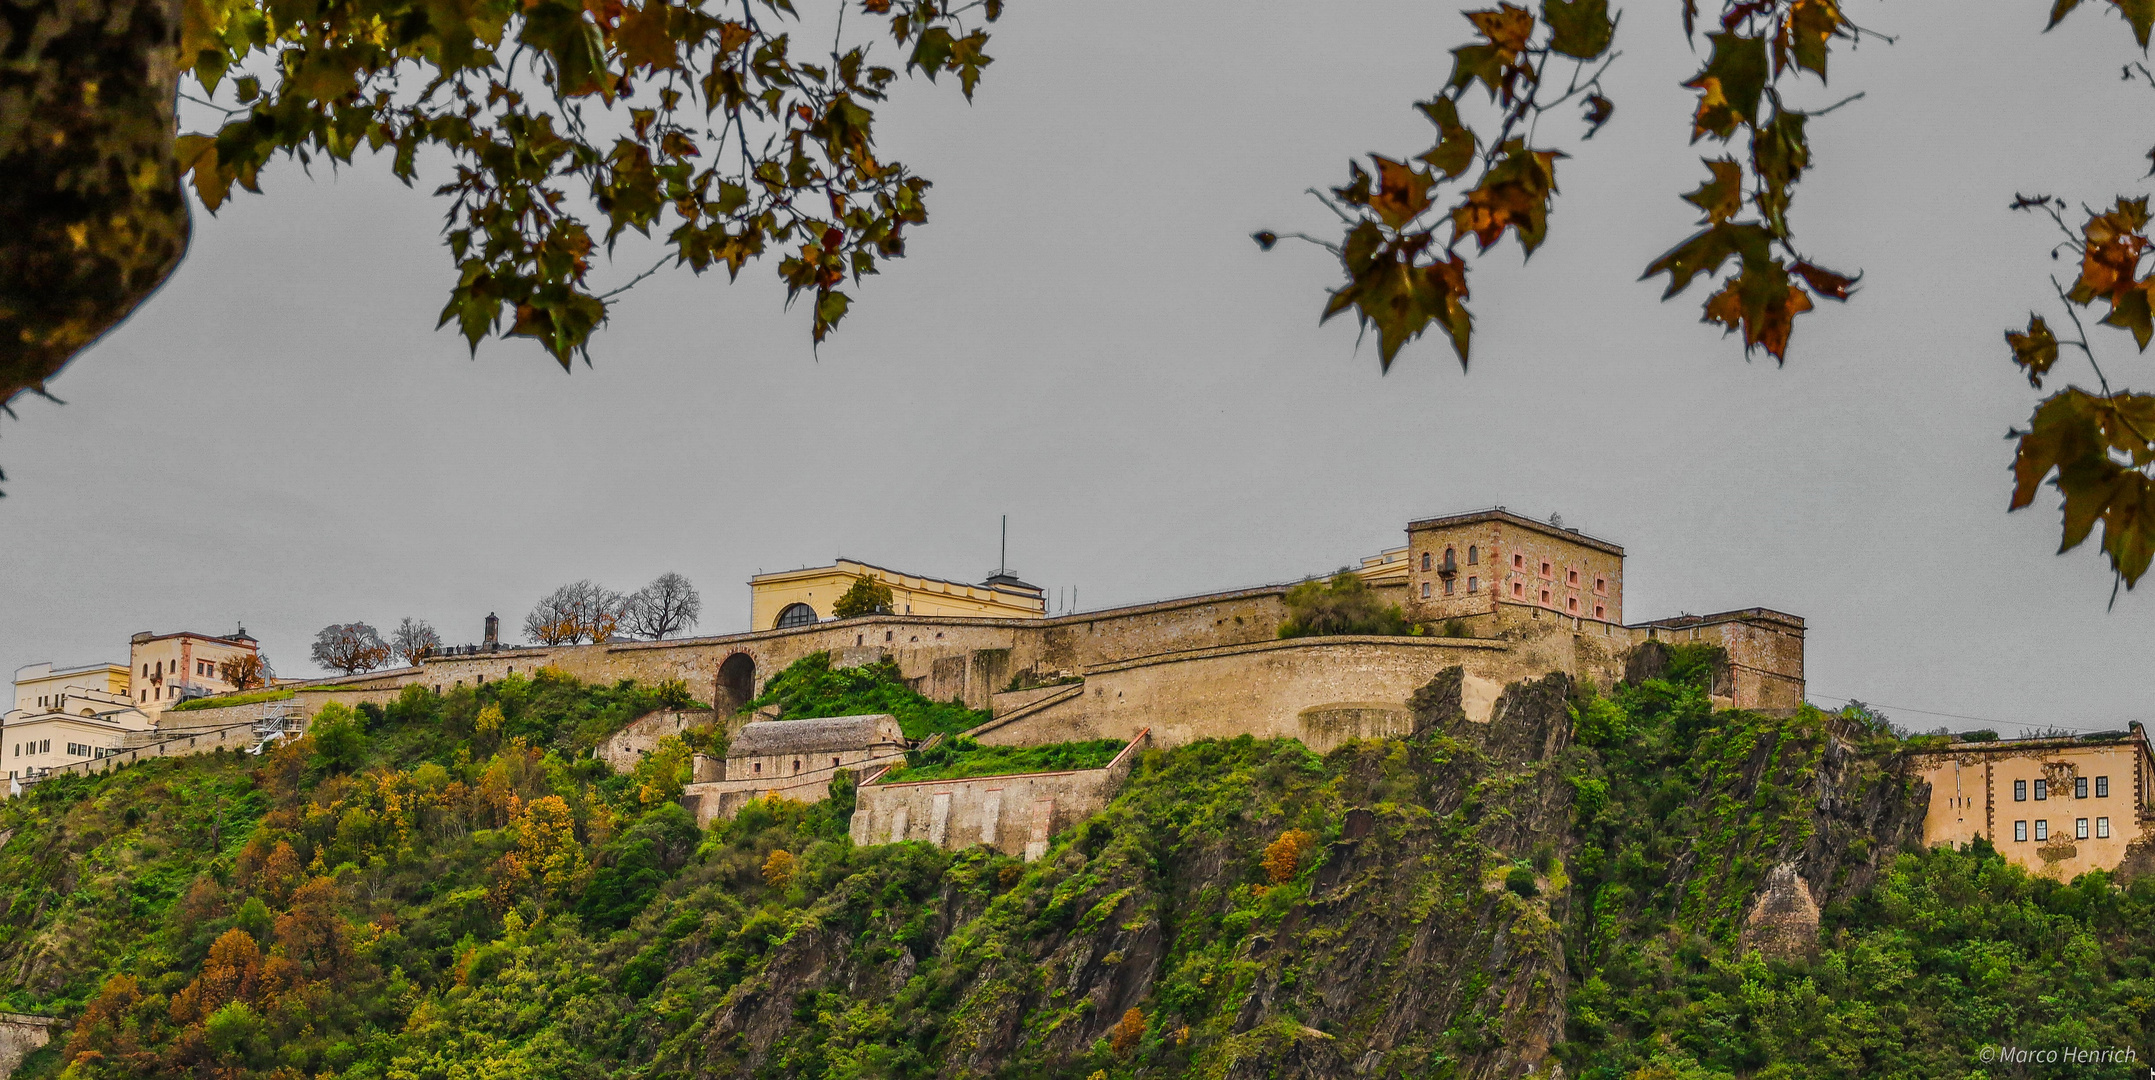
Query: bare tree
x=350 y=648
x=667 y=606
x=414 y=639
x=576 y=612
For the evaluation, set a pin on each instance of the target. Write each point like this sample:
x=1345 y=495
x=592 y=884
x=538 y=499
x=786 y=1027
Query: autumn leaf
x=1402 y=192
x=2077 y=435
x=1705 y=252
x=2035 y=351
x=1456 y=142
x=1804 y=32
x=1763 y=303
x=1514 y=194
x=1579 y=28
x=1507 y=27
x=1779 y=155
x=1598 y=111
x=1721 y=197
x=643 y=40
x=1824 y=282
x=1730 y=85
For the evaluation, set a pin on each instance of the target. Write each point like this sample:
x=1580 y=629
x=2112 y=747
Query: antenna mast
x=1002 y=560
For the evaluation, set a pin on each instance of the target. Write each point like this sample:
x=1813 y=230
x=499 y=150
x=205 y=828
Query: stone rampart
x=1322 y=690
x=234 y=736
x=624 y=748
x=20 y=1035
x=1015 y=814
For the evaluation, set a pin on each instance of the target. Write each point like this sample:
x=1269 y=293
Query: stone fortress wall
x=1014 y=814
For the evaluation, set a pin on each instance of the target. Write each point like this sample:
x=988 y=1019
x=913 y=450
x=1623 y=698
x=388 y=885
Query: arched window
x=1451 y=560
x=1425 y=560
x=796 y=615
x=1474 y=555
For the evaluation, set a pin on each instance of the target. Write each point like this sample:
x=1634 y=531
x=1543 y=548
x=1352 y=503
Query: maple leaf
x=1763 y=303
x=1598 y=111
x=2074 y=434
x=1705 y=251
x=1803 y=34
x=1721 y=197
x=2035 y=350
x=1506 y=26
x=642 y=37
x=1730 y=85
x=1514 y=194
x=1402 y=192
x=1456 y=142
x=1579 y=28
x=1824 y=282
x=1779 y=155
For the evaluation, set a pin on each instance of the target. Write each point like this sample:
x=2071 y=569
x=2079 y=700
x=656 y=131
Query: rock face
x=624 y=748
x=1782 y=923
x=20 y=1034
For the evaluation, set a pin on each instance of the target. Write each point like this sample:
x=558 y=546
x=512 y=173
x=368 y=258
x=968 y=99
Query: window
x=1474 y=555
x=1545 y=596
x=2102 y=828
x=796 y=615
x=834 y=763
x=1571 y=577
x=1546 y=571
x=2080 y=787
x=1518 y=590
x=2020 y=791
x=2042 y=790
x=1518 y=562
x=796 y=765
x=1448 y=586
x=2020 y=830
x=1451 y=560
x=1425 y=560
x=1425 y=590
x=2080 y=828
x=1601 y=585
x=2042 y=828
x=759 y=766
x=1571 y=603
x=2102 y=787
x=1600 y=612
x=1474 y=584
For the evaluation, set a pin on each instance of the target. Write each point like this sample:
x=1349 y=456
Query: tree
x=414 y=639
x=867 y=596
x=665 y=607
x=247 y=671
x=1344 y=605
x=350 y=648
x=712 y=130
x=573 y=613
x=1408 y=218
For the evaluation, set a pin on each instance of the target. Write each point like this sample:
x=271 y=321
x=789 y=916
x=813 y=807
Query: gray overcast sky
x=1084 y=338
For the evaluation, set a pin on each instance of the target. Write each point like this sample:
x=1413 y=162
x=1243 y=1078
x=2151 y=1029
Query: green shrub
x=1344 y=605
x=867 y=596
x=1520 y=879
x=961 y=756
x=811 y=688
x=249 y=698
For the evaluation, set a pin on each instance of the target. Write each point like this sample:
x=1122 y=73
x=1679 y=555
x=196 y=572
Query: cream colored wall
x=820 y=587
x=103 y=678
x=46 y=737
x=170 y=662
x=1972 y=796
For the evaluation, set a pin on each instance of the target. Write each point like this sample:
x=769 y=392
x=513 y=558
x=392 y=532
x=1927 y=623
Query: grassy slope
x=462 y=933
x=962 y=757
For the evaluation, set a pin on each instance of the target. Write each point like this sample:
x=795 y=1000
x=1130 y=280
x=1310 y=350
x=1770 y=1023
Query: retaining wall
x=1016 y=814
x=21 y=1033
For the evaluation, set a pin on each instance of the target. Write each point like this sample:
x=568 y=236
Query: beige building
x=2059 y=807
x=166 y=669
x=43 y=688
x=62 y=716
x=796 y=598
x=1466 y=565
x=795 y=759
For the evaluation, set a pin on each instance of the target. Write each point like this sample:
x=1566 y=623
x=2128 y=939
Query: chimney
x=493 y=632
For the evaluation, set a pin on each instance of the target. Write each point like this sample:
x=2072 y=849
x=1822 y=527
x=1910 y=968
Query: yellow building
x=62 y=716
x=166 y=669
x=2057 y=806
x=44 y=688
x=805 y=597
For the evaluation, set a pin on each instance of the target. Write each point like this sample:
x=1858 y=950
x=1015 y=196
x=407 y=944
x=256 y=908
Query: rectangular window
x=44 y=746
x=2020 y=830
x=1474 y=584
x=2102 y=787
x=1518 y=561
x=1518 y=590
x=2042 y=790
x=1571 y=603
x=1601 y=585
x=2042 y=828
x=2080 y=828
x=1425 y=590
x=1600 y=612
x=1545 y=596
x=1546 y=571
x=2080 y=787
x=2102 y=828
x=1447 y=586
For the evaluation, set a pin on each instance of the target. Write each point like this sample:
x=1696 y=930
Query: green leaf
x=2141 y=14
x=932 y=52
x=1721 y=196
x=1579 y=28
x=1479 y=61
x=2130 y=310
x=2059 y=9
x=1456 y=142
x=1730 y=84
x=1705 y=252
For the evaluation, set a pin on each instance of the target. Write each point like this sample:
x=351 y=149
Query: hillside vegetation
x=449 y=889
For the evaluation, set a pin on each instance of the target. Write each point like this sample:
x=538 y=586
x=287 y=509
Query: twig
x=2083 y=342
x=1857 y=96
x=655 y=268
